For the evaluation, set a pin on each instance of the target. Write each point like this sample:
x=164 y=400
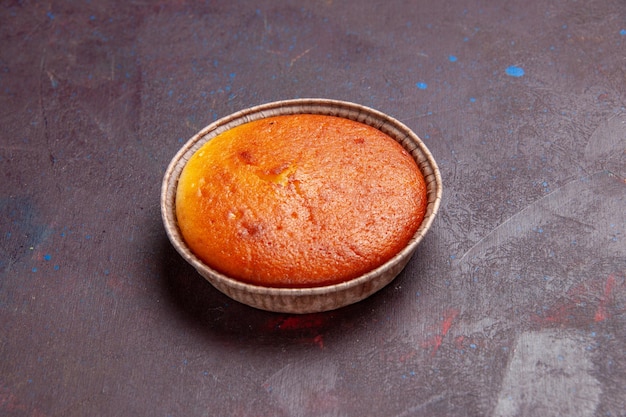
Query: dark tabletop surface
x=513 y=305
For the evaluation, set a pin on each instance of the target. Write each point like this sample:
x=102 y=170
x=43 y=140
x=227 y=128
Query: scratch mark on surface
x=293 y=61
x=267 y=384
x=608 y=141
x=12 y=148
x=42 y=107
x=580 y=223
x=551 y=375
x=54 y=82
x=432 y=400
x=551 y=203
x=292 y=392
x=440 y=112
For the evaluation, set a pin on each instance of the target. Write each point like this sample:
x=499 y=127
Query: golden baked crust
x=299 y=201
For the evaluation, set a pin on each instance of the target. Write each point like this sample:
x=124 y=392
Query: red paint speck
x=585 y=303
x=295 y=323
x=405 y=357
x=307 y=328
x=458 y=342
x=435 y=341
x=447 y=322
x=11 y=404
x=601 y=312
x=319 y=341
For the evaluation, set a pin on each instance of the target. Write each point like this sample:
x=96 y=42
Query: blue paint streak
x=47 y=257
x=421 y=85
x=514 y=71
x=472 y=100
x=622 y=32
x=452 y=58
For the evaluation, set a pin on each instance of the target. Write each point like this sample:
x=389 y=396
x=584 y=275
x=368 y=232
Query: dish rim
x=369 y=116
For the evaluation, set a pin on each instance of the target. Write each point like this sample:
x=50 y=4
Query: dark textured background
x=514 y=304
